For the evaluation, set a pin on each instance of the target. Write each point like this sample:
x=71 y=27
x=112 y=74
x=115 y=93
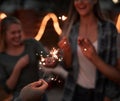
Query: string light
x=116 y=1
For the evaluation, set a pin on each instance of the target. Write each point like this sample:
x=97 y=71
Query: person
x=33 y=91
x=90 y=43
x=19 y=58
x=118 y=48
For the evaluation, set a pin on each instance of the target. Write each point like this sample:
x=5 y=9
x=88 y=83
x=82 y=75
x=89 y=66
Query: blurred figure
x=19 y=59
x=89 y=42
x=33 y=91
x=118 y=48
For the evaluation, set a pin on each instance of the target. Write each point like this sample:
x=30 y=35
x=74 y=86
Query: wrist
x=94 y=58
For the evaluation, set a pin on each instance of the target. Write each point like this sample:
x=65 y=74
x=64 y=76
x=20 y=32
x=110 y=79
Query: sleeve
x=3 y=78
x=40 y=49
x=118 y=46
x=112 y=89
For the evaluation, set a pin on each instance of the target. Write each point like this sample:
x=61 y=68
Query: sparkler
x=53 y=56
x=56 y=54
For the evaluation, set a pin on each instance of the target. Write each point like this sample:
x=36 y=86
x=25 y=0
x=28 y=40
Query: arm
x=107 y=70
x=12 y=80
x=112 y=73
x=42 y=52
x=64 y=45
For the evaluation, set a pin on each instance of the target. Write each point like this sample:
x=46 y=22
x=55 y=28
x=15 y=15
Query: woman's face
x=14 y=34
x=84 y=7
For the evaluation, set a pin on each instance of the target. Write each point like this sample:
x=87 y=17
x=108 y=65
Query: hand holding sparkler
x=52 y=59
x=87 y=48
x=64 y=45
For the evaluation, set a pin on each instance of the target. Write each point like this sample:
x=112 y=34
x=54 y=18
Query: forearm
x=67 y=59
x=12 y=80
x=107 y=70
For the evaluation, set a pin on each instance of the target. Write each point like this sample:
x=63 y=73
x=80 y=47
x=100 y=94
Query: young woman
x=18 y=58
x=90 y=44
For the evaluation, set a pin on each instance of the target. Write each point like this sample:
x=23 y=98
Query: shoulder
x=2 y=55
x=31 y=41
x=109 y=24
x=109 y=28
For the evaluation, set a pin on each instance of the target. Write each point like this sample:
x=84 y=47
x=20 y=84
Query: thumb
x=36 y=84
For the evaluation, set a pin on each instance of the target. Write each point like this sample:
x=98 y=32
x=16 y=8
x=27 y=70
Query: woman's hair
x=4 y=25
x=73 y=16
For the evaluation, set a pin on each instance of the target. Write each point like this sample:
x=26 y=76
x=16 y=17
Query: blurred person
x=118 y=48
x=33 y=91
x=90 y=54
x=19 y=59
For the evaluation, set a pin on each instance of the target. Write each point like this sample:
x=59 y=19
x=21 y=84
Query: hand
x=33 y=91
x=50 y=62
x=64 y=45
x=87 y=48
x=22 y=62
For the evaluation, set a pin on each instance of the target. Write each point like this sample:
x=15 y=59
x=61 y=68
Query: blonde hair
x=4 y=25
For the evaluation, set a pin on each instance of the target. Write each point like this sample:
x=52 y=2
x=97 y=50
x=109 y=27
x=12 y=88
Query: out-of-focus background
x=32 y=13
x=43 y=20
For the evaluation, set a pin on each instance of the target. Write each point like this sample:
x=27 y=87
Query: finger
x=36 y=84
x=64 y=40
x=88 y=43
x=80 y=41
x=44 y=84
x=85 y=43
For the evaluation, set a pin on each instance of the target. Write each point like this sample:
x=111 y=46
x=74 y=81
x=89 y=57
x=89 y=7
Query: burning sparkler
x=54 y=55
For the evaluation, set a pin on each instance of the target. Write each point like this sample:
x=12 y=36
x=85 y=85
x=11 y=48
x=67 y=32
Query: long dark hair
x=73 y=16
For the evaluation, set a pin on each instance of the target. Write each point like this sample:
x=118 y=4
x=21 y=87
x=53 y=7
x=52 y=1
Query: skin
x=64 y=45
x=87 y=35
x=15 y=48
x=91 y=54
x=33 y=91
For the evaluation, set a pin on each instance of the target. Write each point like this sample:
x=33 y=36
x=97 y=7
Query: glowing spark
x=55 y=53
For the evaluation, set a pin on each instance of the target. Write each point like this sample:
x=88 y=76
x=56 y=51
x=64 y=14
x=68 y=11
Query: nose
x=17 y=34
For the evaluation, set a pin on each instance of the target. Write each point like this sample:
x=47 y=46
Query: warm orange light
x=63 y=18
x=44 y=23
x=2 y=16
x=118 y=23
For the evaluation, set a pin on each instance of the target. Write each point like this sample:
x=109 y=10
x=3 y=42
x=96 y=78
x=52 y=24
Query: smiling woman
x=93 y=65
x=17 y=57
